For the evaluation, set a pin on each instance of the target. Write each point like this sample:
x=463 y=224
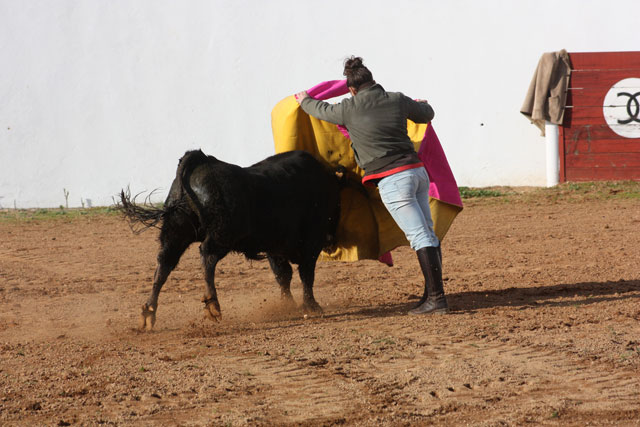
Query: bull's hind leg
x=167 y=260
x=283 y=272
x=210 y=258
x=306 y=269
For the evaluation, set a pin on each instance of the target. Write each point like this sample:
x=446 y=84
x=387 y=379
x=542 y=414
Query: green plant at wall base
x=468 y=193
x=41 y=214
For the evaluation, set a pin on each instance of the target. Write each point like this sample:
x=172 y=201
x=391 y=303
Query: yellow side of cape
x=366 y=229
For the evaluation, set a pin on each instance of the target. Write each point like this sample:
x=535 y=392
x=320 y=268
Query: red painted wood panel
x=576 y=148
x=596 y=79
x=606 y=60
x=601 y=174
x=607 y=159
x=589 y=149
x=599 y=133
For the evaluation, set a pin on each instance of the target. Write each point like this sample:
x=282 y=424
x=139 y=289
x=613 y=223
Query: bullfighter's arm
x=419 y=111
x=332 y=113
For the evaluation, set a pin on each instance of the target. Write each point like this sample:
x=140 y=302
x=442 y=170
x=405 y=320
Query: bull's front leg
x=209 y=261
x=306 y=269
x=283 y=272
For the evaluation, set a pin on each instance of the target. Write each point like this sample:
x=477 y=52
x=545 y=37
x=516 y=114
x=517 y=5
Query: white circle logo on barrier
x=621 y=108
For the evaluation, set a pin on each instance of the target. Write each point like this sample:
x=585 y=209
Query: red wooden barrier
x=600 y=136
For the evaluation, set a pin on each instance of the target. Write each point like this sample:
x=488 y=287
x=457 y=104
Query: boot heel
x=436 y=305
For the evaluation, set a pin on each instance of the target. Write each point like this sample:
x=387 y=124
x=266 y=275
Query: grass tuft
x=470 y=193
x=42 y=214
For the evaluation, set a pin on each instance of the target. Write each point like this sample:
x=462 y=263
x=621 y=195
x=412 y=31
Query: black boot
x=423 y=259
x=433 y=300
x=424 y=266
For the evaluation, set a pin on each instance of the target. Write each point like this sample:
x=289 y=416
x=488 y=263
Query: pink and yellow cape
x=366 y=230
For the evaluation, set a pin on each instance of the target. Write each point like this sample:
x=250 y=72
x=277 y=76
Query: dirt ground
x=544 y=328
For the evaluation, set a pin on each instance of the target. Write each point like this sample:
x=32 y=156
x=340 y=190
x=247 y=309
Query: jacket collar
x=373 y=88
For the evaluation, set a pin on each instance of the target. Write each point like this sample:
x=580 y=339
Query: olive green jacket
x=376 y=121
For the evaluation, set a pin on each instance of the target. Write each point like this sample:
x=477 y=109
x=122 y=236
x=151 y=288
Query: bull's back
x=293 y=178
x=293 y=168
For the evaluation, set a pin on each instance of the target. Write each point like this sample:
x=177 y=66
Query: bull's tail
x=187 y=164
x=142 y=217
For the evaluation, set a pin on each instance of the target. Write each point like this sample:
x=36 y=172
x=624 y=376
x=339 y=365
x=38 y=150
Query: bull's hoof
x=311 y=307
x=212 y=313
x=287 y=302
x=147 y=318
x=212 y=309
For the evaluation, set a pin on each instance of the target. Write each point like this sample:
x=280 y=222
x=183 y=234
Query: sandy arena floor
x=544 y=328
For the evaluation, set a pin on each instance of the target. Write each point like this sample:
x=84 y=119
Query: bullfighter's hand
x=301 y=95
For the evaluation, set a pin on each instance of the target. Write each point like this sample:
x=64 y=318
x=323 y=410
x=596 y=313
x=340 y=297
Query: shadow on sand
x=538 y=296
x=561 y=295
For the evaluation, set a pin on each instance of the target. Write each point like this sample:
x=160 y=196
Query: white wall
x=97 y=95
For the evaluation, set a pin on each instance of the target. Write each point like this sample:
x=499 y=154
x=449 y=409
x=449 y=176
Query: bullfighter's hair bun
x=352 y=64
x=356 y=72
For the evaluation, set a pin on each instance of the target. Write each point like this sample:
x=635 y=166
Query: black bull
x=286 y=206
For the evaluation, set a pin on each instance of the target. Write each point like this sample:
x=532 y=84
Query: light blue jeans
x=406 y=196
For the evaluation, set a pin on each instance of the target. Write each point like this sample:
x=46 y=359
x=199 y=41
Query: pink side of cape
x=328 y=89
x=443 y=184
